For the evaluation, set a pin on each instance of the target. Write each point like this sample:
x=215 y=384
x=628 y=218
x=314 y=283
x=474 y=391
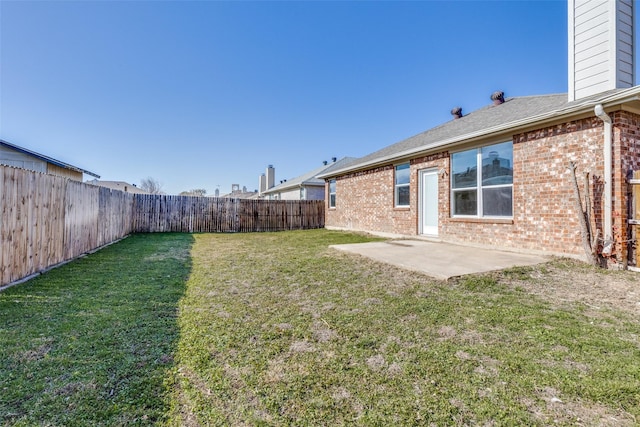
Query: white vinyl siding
x=600 y=46
x=314 y=193
x=17 y=159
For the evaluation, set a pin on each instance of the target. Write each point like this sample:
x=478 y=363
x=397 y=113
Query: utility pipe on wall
x=607 y=232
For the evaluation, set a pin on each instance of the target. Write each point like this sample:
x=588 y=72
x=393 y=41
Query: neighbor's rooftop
x=311 y=178
x=46 y=158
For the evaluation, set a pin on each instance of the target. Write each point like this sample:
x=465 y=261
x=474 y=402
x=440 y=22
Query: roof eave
x=291 y=187
x=541 y=119
x=48 y=159
x=279 y=188
x=311 y=184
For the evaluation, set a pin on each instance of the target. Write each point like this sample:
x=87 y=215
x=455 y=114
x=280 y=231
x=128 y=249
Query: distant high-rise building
x=271 y=176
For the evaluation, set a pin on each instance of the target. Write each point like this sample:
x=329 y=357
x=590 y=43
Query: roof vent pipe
x=497 y=97
x=456 y=112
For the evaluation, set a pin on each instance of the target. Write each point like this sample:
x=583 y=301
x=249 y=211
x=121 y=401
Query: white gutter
x=607 y=232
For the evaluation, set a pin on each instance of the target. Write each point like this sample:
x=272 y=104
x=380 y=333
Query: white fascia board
x=281 y=188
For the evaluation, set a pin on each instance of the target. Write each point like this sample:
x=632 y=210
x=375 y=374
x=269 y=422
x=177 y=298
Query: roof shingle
x=513 y=113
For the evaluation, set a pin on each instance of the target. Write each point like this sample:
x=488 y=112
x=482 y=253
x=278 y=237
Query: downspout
x=607 y=232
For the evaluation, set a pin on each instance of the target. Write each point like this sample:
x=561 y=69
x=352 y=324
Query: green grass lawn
x=277 y=329
x=93 y=342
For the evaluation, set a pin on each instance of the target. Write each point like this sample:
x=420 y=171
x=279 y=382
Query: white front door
x=429 y=202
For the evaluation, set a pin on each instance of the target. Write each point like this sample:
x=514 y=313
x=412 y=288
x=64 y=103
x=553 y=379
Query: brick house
x=499 y=176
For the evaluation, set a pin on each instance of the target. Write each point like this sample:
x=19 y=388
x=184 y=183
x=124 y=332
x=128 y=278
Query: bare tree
x=199 y=192
x=152 y=185
x=589 y=238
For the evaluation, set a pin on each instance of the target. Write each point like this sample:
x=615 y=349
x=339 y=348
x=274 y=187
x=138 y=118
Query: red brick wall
x=626 y=159
x=365 y=201
x=544 y=217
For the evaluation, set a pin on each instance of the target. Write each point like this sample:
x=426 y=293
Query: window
x=332 y=193
x=402 y=185
x=482 y=181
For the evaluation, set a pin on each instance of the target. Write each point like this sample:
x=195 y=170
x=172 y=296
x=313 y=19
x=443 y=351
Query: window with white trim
x=332 y=193
x=401 y=187
x=482 y=181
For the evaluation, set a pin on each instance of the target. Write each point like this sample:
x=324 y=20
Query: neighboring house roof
x=310 y=178
x=240 y=195
x=47 y=159
x=513 y=114
x=118 y=185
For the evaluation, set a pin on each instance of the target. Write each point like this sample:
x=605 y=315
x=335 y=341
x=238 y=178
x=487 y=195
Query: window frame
x=479 y=186
x=332 y=194
x=397 y=187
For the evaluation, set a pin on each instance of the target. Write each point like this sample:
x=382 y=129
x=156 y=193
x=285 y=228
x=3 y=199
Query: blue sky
x=204 y=94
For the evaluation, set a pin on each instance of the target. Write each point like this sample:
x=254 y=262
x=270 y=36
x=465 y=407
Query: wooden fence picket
x=188 y=214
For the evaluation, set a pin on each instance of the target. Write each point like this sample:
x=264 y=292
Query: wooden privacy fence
x=47 y=219
x=159 y=213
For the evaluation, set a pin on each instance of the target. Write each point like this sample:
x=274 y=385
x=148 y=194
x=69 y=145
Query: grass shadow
x=93 y=342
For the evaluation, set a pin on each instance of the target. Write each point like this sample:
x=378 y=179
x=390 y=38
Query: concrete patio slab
x=438 y=259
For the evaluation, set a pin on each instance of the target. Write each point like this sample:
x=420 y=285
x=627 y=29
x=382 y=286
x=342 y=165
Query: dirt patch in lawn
x=565 y=281
x=551 y=409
